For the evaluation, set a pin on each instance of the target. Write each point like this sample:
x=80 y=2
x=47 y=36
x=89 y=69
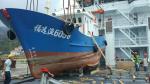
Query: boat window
x=102 y=32
x=79 y=20
x=78 y=11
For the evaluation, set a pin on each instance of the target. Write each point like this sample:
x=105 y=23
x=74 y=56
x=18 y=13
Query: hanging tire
x=105 y=42
x=68 y=28
x=11 y=35
x=95 y=49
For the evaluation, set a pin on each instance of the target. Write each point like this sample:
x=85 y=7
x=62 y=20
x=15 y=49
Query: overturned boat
x=49 y=42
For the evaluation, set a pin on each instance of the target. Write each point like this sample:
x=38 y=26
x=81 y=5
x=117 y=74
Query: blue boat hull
x=46 y=45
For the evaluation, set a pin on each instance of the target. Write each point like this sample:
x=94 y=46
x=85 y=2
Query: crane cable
x=27 y=4
x=64 y=10
x=74 y=17
x=74 y=4
x=37 y=4
x=68 y=13
x=31 y=4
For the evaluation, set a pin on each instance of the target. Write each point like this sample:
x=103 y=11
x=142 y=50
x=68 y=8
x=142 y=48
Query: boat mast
x=47 y=7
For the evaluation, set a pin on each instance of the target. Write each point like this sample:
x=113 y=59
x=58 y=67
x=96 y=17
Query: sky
x=54 y=4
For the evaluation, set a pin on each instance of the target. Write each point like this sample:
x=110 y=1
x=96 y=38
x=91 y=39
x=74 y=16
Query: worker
x=145 y=63
x=7 y=69
x=136 y=60
x=1 y=64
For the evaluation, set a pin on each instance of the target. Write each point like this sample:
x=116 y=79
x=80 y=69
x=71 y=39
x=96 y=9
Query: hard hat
x=11 y=55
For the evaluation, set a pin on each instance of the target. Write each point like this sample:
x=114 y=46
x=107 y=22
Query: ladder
x=47 y=77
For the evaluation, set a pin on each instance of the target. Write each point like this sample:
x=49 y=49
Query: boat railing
x=123 y=59
x=139 y=3
x=126 y=41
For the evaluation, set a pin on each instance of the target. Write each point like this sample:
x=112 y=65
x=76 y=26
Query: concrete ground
x=18 y=72
x=122 y=77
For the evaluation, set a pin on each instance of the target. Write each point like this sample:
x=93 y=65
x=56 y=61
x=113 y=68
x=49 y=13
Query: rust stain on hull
x=59 y=62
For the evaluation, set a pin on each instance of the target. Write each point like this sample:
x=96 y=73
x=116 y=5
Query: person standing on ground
x=1 y=63
x=7 y=69
x=145 y=63
x=136 y=60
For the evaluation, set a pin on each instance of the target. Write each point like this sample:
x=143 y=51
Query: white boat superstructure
x=125 y=24
x=76 y=14
x=127 y=28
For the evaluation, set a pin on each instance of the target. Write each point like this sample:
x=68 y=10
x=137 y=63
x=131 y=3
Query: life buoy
x=99 y=11
x=11 y=35
x=68 y=28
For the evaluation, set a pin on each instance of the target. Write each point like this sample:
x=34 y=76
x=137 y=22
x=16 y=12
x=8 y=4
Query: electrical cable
x=30 y=4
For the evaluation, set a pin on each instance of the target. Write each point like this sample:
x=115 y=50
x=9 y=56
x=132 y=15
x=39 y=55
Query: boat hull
x=47 y=46
x=57 y=63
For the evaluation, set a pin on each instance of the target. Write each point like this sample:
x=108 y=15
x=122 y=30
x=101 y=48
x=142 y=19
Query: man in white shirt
x=145 y=63
x=7 y=69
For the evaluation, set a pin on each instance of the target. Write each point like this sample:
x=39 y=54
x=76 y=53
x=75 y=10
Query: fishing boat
x=49 y=42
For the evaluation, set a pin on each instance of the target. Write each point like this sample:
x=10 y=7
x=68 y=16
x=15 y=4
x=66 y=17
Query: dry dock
x=19 y=75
